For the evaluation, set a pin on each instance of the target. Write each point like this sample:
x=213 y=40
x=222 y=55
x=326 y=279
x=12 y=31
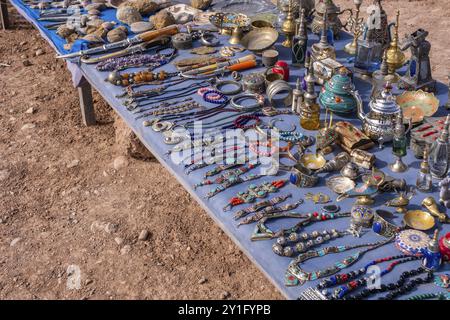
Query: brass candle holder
x=323 y=50
x=288 y=27
x=356 y=26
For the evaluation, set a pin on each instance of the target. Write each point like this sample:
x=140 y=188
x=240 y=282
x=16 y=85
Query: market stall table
x=260 y=252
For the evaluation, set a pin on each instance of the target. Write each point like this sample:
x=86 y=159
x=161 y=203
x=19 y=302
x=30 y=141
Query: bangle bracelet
x=209 y=40
x=384 y=228
x=302 y=177
x=231 y=92
x=182 y=41
x=277 y=87
x=247 y=96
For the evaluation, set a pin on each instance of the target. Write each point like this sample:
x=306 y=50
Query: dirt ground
x=71 y=204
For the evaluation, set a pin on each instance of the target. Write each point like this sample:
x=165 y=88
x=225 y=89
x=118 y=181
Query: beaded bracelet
x=239 y=122
x=214 y=96
x=260 y=206
x=269 y=211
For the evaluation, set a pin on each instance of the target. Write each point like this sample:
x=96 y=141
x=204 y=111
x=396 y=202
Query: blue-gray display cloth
x=260 y=252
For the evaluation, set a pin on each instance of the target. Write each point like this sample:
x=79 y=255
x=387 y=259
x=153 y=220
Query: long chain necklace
x=304 y=241
x=297 y=276
x=230 y=182
x=261 y=206
x=262 y=232
x=397 y=288
x=151 y=61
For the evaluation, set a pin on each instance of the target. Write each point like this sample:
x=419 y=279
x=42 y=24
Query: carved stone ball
x=145 y=7
x=117 y=34
x=128 y=15
x=162 y=19
x=201 y=4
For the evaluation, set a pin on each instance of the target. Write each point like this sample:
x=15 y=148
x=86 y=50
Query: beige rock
x=201 y=4
x=117 y=34
x=145 y=7
x=127 y=14
x=162 y=19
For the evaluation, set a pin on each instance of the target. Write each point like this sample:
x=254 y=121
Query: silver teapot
x=379 y=123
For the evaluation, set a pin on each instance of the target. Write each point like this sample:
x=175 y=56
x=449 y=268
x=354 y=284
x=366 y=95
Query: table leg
x=4 y=19
x=86 y=103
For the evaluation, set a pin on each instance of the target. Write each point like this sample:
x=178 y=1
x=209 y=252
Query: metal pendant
x=318 y=198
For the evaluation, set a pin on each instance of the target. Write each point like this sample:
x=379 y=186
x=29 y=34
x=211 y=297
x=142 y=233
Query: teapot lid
x=340 y=82
x=386 y=102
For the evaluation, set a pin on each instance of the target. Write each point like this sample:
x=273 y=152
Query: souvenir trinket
x=296 y=243
x=288 y=26
x=419 y=220
x=412 y=242
x=340 y=185
x=331 y=208
x=336 y=164
x=258 y=24
x=297 y=98
x=323 y=49
x=283 y=68
x=279 y=94
x=260 y=40
x=401 y=202
x=254 y=83
x=432 y=256
x=339 y=95
x=395 y=57
x=390 y=184
x=151 y=62
x=295 y=275
x=399 y=144
x=312 y=161
x=379 y=123
x=300 y=41
x=225 y=22
x=326 y=137
x=233 y=173
x=380 y=78
x=361 y=217
x=418 y=76
x=356 y=25
x=203 y=50
x=253 y=192
x=261 y=206
x=363 y=158
x=440 y=153
x=444 y=193
x=350 y=171
x=262 y=232
x=310 y=111
x=444 y=246
x=318 y=198
x=442 y=281
x=383 y=227
x=271 y=213
x=327 y=13
x=416 y=105
x=368 y=57
x=302 y=177
x=424 y=180
x=424 y=135
x=270 y=57
x=351 y=138
x=325 y=69
x=236 y=35
x=430 y=204
x=378 y=33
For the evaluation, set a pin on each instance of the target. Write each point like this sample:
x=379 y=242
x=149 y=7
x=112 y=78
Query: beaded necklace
x=260 y=206
x=429 y=296
x=158 y=106
x=344 y=289
x=410 y=286
x=172 y=110
x=262 y=232
x=297 y=276
x=304 y=241
x=270 y=212
x=255 y=191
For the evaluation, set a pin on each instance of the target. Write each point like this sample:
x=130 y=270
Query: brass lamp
x=288 y=26
x=357 y=25
x=395 y=57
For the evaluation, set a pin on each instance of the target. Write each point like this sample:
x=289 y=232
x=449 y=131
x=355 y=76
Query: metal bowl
x=419 y=220
x=312 y=161
x=417 y=105
x=259 y=40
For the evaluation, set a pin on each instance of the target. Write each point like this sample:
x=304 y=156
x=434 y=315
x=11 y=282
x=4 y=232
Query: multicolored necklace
x=297 y=276
x=151 y=61
x=230 y=182
x=254 y=192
